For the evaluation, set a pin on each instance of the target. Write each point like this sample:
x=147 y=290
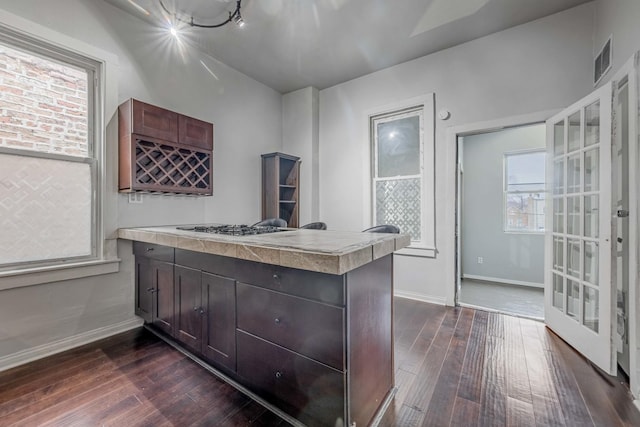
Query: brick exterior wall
x=43 y=104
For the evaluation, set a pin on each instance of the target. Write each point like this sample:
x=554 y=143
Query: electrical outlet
x=480 y=260
x=135 y=197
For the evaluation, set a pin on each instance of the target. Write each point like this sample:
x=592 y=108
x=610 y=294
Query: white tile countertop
x=325 y=251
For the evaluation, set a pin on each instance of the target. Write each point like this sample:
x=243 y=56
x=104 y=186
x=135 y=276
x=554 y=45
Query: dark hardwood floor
x=455 y=367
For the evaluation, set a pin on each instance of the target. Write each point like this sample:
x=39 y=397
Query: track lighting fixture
x=234 y=17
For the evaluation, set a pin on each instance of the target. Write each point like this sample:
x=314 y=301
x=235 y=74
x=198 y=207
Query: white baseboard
x=44 y=350
x=420 y=297
x=499 y=280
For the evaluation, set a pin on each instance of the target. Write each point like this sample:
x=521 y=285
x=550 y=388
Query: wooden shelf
x=280 y=181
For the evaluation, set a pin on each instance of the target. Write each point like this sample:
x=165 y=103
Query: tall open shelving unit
x=280 y=184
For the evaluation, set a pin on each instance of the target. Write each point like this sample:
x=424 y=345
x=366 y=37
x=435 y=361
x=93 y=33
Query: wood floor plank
x=493 y=398
x=570 y=398
x=471 y=375
x=443 y=400
x=519 y=413
x=546 y=405
x=23 y=398
x=418 y=349
x=518 y=386
x=465 y=413
x=421 y=391
x=429 y=320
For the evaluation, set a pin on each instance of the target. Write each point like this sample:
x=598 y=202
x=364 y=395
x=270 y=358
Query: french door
x=578 y=282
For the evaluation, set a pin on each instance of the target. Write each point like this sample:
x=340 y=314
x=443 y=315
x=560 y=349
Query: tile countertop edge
x=331 y=263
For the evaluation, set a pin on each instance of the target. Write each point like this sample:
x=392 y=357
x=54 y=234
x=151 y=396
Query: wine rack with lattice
x=168 y=168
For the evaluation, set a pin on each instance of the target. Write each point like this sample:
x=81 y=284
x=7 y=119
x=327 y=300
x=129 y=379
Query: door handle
x=622 y=213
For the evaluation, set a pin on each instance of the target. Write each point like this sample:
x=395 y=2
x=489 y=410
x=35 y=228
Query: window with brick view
x=47 y=163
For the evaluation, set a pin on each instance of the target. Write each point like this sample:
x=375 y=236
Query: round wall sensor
x=444 y=114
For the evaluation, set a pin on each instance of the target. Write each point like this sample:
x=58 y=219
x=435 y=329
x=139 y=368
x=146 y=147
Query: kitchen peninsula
x=300 y=318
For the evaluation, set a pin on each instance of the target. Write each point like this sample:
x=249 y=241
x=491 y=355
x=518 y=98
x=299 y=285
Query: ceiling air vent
x=602 y=62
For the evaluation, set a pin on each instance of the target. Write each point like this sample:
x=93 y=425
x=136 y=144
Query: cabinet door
x=188 y=305
x=156 y=122
x=163 y=312
x=219 y=321
x=195 y=132
x=144 y=288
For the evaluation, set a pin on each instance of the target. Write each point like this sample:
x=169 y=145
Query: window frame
x=506 y=192
x=24 y=34
x=426 y=247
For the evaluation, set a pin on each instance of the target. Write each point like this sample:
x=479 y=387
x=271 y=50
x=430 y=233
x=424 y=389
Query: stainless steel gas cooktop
x=231 y=230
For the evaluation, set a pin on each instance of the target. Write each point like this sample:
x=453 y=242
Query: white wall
x=538 y=66
x=300 y=117
x=247 y=119
x=510 y=257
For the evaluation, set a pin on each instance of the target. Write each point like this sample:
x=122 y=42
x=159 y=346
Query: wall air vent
x=602 y=62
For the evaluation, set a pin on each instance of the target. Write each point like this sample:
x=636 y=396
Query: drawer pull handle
x=277 y=320
x=151 y=290
x=278 y=374
x=150 y=249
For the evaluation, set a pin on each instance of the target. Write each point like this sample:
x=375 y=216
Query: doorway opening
x=501 y=202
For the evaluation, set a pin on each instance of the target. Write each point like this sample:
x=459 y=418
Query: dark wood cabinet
x=317 y=346
x=280 y=187
x=154 y=290
x=219 y=320
x=189 y=310
x=163 y=151
x=206 y=315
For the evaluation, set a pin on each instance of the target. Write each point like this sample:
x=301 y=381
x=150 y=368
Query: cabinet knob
x=278 y=374
x=196 y=308
x=277 y=320
x=276 y=277
x=201 y=311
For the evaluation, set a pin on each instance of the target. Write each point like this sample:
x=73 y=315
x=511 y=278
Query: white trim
x=506 y=281
x=452 y=134
x=428 y=205
x=417 y=252
x=41 y=351
x=629 y=69
x=493 y=310
x=419 y=297
x=105 y=151
x=55 y=273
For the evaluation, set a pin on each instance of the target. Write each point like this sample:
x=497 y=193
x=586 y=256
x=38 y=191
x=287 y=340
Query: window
x=50 y=166
x=402 y=157
x=524 y=191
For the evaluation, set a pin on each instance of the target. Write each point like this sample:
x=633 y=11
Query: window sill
x=56 y=273
x=418 y=252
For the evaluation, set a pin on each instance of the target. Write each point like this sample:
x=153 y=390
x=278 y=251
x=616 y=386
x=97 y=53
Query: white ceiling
x=291 y=44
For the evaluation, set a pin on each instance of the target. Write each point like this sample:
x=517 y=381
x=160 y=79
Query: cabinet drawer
x=150 y=250
x=195 y=132
x=323 y=287
x=307 y=390
x=153 y=121
x=310 y=328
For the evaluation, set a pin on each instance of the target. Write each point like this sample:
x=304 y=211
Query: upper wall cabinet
x=163 y=151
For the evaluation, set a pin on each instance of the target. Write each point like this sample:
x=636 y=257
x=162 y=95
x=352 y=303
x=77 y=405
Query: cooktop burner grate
x=232 y=230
